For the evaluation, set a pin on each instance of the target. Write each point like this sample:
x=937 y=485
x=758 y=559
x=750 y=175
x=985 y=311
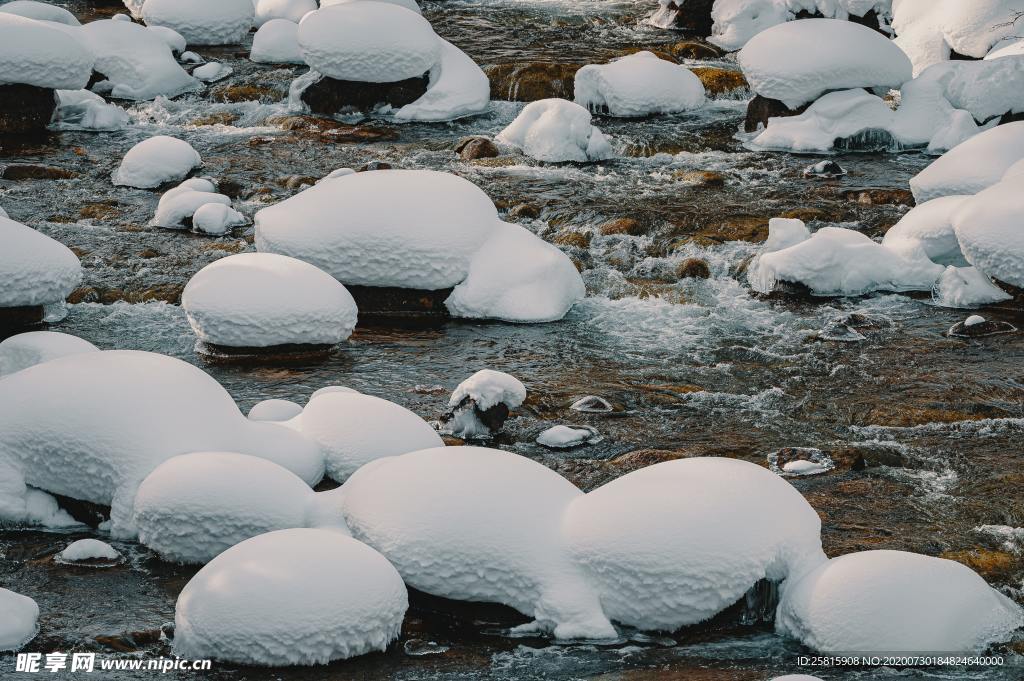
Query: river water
x=924 y=429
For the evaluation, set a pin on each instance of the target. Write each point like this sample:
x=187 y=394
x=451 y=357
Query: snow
x=265 y=299
x=929 y=225
x=804 y=467
x=892 y=602
x=375 y=42
x=783 y=233
x=352 y=228
x=136 y=66
x=42 y=54
x=974 y=320
x=91 y=426
x=1007 y=47
x=183 y=201
x=290 y=10
x=477 y=524
x=973 y=165
x=34 y=269
x=458 y=87
x=640 y=84
x=837 y=115
x=18 y=622
x=564 y=437
x=156 y=161
x=35 y=347
x=410 y=5
x=174 y=40
x=798 y=61
x=676 y=543
x=988 y=227
x=85 y=110
x=274 y=410
x=556 y=130
x=489 y=388
x=517 y=277
x=87 y=549
x=843 y=262
x=353 y=429
x=737 y=21
x=23 y=505
x=327 y=389
x=40 y=11
x=212 y=71
x=195 y=506
x=216 y=219
x=224 y=22
x=277 y=42
x=291 y=597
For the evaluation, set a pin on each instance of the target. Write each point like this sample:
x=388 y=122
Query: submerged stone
x=977 y=326
x=470 y=148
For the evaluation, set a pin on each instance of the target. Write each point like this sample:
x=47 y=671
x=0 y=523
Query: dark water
x=924 y=429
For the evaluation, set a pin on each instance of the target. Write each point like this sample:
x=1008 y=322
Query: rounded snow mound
x=156 y=161
x=291 y=10
x=972 y=165
x=676 y=543
x=41 y=54
x=35 y=347
x=556 y=130
x=85 y=550
x=638 y=85
x=277 y=42
x=798 y=61
x=477 y=524
x=41 y=11
x=489 y=388
x=353 y=227
x=291 y=597
x=274 y=410
x=893 y=602
x=353 y=429
x=34 y=269
x=988 y=227
x=375 y=42
x=92 y=426
x=929 y=225
x=265 y=299
x=201 y=22
x=18 y=624
x=410 y=5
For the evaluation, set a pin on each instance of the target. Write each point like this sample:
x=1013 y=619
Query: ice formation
x=224 y=22
x=86 y=110
x=18 y=621
x=41 y=11
x=156 y=161
x=265 y=299
x=976 y=164
x=556 y=130
x=34 y=269
x=638 y=85
x=35 y=347
x=290 y=10
x=274 y=410
x=892 y=602
x=966 y=287
x=929 y=226
x=291 y=597
x=42 y=54
x=277 y=42
x=212 y=71
x=86 y=550
x=988 y=228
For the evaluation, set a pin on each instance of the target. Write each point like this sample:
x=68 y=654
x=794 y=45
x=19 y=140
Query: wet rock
x=691 y=49
x=656 y=51
x=374 y=165
x=217 y=118
x=470 y=148
x=811 y=214
x=909 y=415
x=530 y=211
x=415 y=647
x=994 y=566
x=827 y=169
x=333 y=131
x=102 y=210
x=693 y=268
x=573 y=239
x=642 y=458
x=246 y=93
x=531 y=81
x=293 y=182
x=467 y=411
x=502 y=161
x=402 y=305
x=84 y=512
x=851 y=327
x=718 y=81
x=630 y=226
x=701 y=178
x=292 y=353
x=358 y=134
x=33 y=171
x=129 y=641
x=692 y=16
x=25 y=108
x=879 y=196
x=977 y=326
x=592 y=404
x=329 y=96
x=149 y=253
x=739 y=228
x=18 y=318
x=760 y=109
x=83 y=294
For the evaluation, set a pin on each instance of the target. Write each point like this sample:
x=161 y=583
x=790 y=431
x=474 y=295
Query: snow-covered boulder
x=481 y=525
x=277 y=42
x=42 y=54
x=566 y=437
x=187 y=199
x=647 y=542
x=92 y=426
x=156 y=161
x=41 y=11
x=517 y=277
x=556 y=130
x=274 y=410
x=638 y=85
x=353 y=429
x=265 y=299
x=990 y=232
x=216 y=219
x=966 y=287
x=837 y=115
x=35 y=347
x=352 y=228
x=35 y=269
x=291 y=10
x=930 y=226
x=976 y=164
x=987 y=89
x=224 y=22
x=479 y=405
x=798 y=61
x=291 y=597
x=893 y=602
x=18 y=617
x=89 y=552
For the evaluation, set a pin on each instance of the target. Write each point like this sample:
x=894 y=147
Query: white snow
x=216 y=219
x=277 y=42
x=35 y=347
x=783 y=233
x=477 y=524
x=737 y=21
x=327 y=389
x=34 y=269
x=839 y=114
x=40 y=11
x=290 y=10
x=23 y=505
x=987 y=89
x=988 y=227
x=174 y=40
x=458 y=87
x=640 y=84
x=517 y=277
x=291 y=597
x=556 y=130
x=92 y=425
x=929 y=225
x=804 y=467
x=87 y=549
x=564 y=437
x=201 y=22
x=675 y=543
x=85 y=110
x=212 y=71
x=351 y=227
x=798 y=61
x=182 y=202
x=892 y=602
x=407 y=4
x=42 y=54
x=353 y=429
x=17 y=621
x=274 y=410
x=489 y=388
x=265 y=299
x=969 y=167
x=974 y=320
x=1007 y=47
x=966 y=287
x=156 y=161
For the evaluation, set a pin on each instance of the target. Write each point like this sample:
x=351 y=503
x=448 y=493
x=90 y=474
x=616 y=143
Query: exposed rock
x=25 y=108
x=530 y=211
x=718 y=81
x=492 y=418
x=330 y=96
x=291 y=353
x=217 y=118
x=101 y=210
x=246 y=93
x=33 y=171
x=692 y=16
x=470 y=148
x=691 y=49
x=374 y=165
x=628 y=226
x=978 y=327
x=693 y=268
x=701 y=178
x=760 y=109
x=876 y=196
x=827 y=169
x=739 y=228
x=380 y=303
x=992 y=565
x=531 y=81
x=16 y=318
x=573 y=239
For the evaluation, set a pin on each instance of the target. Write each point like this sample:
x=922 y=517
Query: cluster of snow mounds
x=201 y=22
x=93 y=425
x=277 y=42
x=638 y=85
x=35 y=347
x=34 y=269
x=266 y=299
x=39 y=53
x=18 y=617
x=156 y=161
x=291 y=597
x=892 y=602
x=197 y=199
x=556 y=130
x=973 y=165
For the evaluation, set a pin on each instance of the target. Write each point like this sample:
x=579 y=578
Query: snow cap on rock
x=34 y=269
x=156 y=161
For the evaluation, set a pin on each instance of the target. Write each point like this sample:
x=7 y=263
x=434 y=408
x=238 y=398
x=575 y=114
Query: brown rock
x=760 y=109
x=246 y=93
x=702 y=178
x=219 y=118
x=740 y=228
x=528 y=82
x=374 y=165
x=530 y=211
x=628 y=226
x=149 y=253
x=641 y=458
x=470 y=148
x=574 y=239
x=25 y=108
x=32 y=171
x=691 y=49
x=83 y=294
x=874 y=196
x=693 y=268
x=992 y=565
x=98 y=211
x=692 y=16
x=718 y=81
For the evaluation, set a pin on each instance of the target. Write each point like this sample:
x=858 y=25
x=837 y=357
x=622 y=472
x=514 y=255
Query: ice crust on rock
x=34 y=269
x=274 y=410
x=265 y=299
x=556 y=130
x=929 y=225
x=638 y=85
x=17 y=621
x=277 y=42
x=989 y=230
x=201 y=22
x=85 y=110
x=24 y=350
x=290 y=597
x=971 y=166
x=156 y=161
x=88 y=549
x=42 y=53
